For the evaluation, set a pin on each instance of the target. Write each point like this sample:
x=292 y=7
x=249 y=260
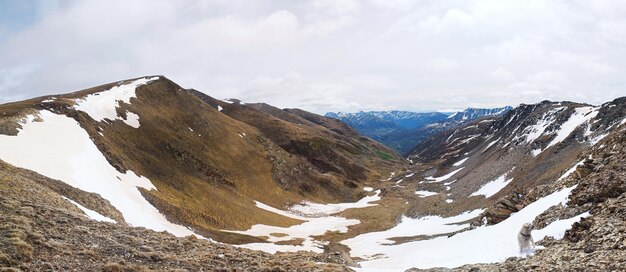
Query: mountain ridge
x=403 y=130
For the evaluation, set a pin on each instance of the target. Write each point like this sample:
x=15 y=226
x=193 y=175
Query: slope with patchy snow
x=59 y=148
x=485 y=244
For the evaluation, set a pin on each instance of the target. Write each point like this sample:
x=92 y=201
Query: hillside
x=196 y=169
x=403 y=130
x=529 y=146
x=42 y=231
x=144 y=174
x=549 y=163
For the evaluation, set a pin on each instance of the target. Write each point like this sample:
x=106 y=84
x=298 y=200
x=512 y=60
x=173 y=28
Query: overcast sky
x=323 y=55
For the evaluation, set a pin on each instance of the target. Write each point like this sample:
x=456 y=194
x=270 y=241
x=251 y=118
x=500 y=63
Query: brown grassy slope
x=40 y=231
x=206 y=170
x=208 y=167
x=331 y=146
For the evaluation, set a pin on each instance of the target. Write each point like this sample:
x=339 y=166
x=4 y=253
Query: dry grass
x=208 y=179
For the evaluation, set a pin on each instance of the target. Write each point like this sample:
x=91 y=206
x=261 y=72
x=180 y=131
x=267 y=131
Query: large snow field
x=486 y=244
x=317 y=219
x=60 y=149
x=369 y=244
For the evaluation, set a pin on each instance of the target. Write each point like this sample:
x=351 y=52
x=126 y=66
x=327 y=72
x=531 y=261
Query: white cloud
x=442 y=64
x=328 y=55
x=337 y=6
x=503 y=74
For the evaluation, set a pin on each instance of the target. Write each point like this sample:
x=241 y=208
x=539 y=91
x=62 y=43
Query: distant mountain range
x=403 y=130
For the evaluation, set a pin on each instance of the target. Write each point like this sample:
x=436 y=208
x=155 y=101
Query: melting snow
x=425 y=193
x=580 y=116
x=490 y=144
x=369 y=244
x=103 y=105
x=536 y=130
x=409 y=175
x=368 y=189
x=91 y=214
x=492 y=187
x=460 y=162
x=536 y=152
x=485 y=244
x=444 y=177
x=132 y=119
x=317 y=222
x=316 y=209
x=598 y=138
x=219 y=108
x=571 y=170
x=60 y=149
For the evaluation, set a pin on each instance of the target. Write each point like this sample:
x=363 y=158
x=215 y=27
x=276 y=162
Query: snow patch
x=460 y=162
x=316 y=209
x=91 y=214
x=425 y=193
x=132 y=119
x=103 y=105
x=492 y=187
x=536 y=152
x=580 y=116
x=571 y=170
x=432 y=179
x=491 y=144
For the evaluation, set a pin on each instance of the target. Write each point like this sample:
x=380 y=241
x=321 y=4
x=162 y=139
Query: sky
x=323 y=55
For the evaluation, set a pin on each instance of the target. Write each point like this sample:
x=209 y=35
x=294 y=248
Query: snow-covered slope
x=475 y=113
x=529 y=146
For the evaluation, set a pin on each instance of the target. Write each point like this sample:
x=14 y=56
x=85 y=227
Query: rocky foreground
x=596 y=243
x=41 y=231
